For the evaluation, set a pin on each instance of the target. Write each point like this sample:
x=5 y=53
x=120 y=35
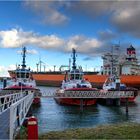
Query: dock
x=5 y=124
x=13 y=111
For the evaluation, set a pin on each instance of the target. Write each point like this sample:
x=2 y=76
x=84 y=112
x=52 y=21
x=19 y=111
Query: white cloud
x=33 y=51
x=83 y=44
x=17 y=38
x=4 y=70
x=9 y=38
x=11 y=67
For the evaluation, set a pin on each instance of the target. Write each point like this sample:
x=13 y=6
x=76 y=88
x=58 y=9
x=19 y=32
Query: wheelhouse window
x=77 y=76
x=72 y=76
x=18 y=75
x=22 y=75
x=27 y=75
x=81 y=76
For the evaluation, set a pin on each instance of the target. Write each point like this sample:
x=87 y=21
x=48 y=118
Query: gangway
x=97 y=94
x=13 y=110
x=88 y=94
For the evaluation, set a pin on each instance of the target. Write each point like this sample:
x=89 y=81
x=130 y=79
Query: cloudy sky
x=50 y=29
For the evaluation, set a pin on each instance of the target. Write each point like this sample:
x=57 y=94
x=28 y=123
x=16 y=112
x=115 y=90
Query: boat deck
x=4 y=124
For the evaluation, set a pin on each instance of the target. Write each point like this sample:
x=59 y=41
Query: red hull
x=81 y=89
x=36 y=100
x=72 y=101
x=75 y=101
x=131 y=100
x=15 y=87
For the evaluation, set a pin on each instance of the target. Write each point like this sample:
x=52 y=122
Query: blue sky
x=50 y=29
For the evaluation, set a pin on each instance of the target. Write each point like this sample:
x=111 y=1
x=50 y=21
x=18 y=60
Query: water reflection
x=53 y=117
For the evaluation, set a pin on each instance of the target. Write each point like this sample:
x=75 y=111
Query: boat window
x=72 y=76
x=18 y=75
x=27 y=75
x=77 y=77
x=22 y=75
x=80 y=76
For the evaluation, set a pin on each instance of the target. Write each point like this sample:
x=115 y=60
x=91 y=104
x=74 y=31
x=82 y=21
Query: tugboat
x=23 y=81
x=113 y=83
x=74 y=81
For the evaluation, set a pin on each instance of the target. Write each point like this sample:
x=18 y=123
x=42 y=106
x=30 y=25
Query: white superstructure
x=75 y=80
x=118 y=63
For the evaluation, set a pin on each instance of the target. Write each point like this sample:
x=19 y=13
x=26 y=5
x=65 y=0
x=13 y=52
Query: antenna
x=54 y=68
x=74 y=58
x=40 y=63
x=44 y=68
x=69 y=63
x=112 y=59
x=23 y=55
x=37 y=66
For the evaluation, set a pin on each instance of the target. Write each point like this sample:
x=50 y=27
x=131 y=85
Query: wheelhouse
x=23 y=73
x=75 y=75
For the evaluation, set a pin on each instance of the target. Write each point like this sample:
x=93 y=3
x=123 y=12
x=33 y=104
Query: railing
x=7 y=100
x=88 y=94
x=18 y=112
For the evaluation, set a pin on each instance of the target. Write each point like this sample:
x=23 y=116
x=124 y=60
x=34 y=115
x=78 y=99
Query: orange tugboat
x=74 y=81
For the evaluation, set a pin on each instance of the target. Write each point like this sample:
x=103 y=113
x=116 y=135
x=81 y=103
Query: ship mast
x=112 y=63
x=74 y=59
x=23 y=55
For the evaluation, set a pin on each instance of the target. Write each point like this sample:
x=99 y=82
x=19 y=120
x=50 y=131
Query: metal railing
x=18 y=112
x=88 y=94
x=7 y=100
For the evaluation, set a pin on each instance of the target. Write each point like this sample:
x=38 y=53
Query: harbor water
x=54 y=117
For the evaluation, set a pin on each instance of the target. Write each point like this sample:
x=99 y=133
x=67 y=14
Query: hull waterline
x=76 y=102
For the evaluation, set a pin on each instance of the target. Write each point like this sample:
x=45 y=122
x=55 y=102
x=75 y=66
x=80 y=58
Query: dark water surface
x=53 y=117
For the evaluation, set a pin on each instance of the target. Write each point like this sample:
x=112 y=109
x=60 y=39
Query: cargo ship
x=126 y=66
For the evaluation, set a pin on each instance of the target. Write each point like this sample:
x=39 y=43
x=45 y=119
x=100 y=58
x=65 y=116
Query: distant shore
x=115 y=131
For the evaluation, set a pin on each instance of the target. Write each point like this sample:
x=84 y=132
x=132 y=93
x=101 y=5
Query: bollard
x=32 y=128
